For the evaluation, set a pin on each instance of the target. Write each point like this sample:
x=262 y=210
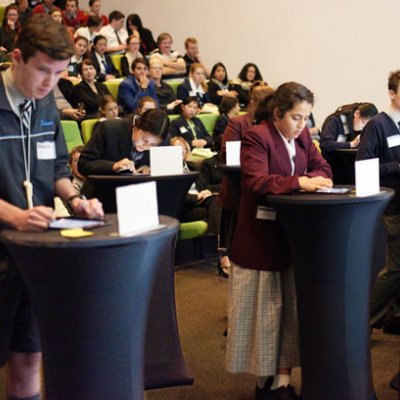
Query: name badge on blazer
x=183 y=129
x=393 y=140
x=266 y=213
x=46 y=151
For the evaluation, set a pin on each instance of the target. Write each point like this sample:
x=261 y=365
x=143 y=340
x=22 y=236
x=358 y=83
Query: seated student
x=189 y=126
x=73 y=16
x=24 y=10
x=108 y=108
x=144 y=104
x=81 y=46
x=46 y=7
x=102 y=61
x=192 y=55
x=10 y=28
x=91 y=30
x=118 y=145
x=95 y=10
x=247 y=76
x=115 y=33
x=77 y=179
x=342 y=129
x=89 y=91
x=131 y=54
x=174 y=65
x=218 y=85
x=228 y=109
x=165 y=93
x=134 y=26
x=136 y=86
x=195 y=85
x=67 y=101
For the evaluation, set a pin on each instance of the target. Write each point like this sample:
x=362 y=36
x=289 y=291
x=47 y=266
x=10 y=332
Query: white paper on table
x=233 y=153
x=166 y=160
x=137 y=208
x=367 y=177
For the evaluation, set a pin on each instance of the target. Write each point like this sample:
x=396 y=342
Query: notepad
x=166 y=160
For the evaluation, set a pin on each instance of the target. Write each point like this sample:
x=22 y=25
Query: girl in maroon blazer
x=277 y=156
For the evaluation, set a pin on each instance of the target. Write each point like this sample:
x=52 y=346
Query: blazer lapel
x=283 y=155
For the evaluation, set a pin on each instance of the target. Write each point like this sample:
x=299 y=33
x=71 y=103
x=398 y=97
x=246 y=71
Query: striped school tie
x=25 y=110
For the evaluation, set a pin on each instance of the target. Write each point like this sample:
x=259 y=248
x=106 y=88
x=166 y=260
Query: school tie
x=106 y=67
x=118 y=38
x=25 y=110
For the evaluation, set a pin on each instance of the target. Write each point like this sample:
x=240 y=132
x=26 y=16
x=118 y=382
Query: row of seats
x=74 y=137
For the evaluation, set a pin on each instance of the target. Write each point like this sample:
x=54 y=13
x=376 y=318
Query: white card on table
x=137 y=208
x=233 y=153
x=166 y=160
x=367 y=177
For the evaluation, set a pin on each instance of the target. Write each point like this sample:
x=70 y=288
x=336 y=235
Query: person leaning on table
x=277 y=156
x=33 y=169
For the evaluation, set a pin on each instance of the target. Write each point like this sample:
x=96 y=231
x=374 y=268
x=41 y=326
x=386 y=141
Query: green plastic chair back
x=116 y=60
x=173 y=116
x=209 y=121
x=72 y=134
x=87 y=128
x=2 y=11
x=113 y=87
x=174 y=84
x=191 y=230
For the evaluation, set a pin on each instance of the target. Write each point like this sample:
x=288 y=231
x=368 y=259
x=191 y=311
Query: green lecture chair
x=2 y=10
x=209 y=121
x=174 y=84
x=72 y=134
x=116 y=60
x=191 y=230
x=173 y=116
x=113 y=86
x=87 y=128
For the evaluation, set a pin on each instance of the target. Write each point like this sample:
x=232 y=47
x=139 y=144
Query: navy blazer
x=180 y=127
x=184 y=91
x=266 y=169
x=100 y=76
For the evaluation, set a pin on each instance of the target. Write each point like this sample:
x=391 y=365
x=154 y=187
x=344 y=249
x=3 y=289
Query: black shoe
x=261 y=393
x=282 y=393
x=395 y=382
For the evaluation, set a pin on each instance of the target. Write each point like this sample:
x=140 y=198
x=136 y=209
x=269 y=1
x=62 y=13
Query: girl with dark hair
x=342 y=129
x=247 y=76
x=119 y=145
x=133 y=25
x=228 y=109
x=10 y=28
x=89 y=91
x=189 y=126
x=218 y=85
x=277 y=156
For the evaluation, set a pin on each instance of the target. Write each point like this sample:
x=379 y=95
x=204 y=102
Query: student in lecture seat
x=247 y=76
x=121 y=145
x=218 y=85
x=342 y=129
x=134 y=26
x=91 y=30
x=277 y=156
x=95 y=10
x=108 y=108
x=165 y=93
x=10 y=28
x=189 y=126
x=89 y=91
x=229 y=108
x=81 y=48
x=195 y=85
x=132 y=53
x=174 y=65
x=192 y=55
x=104 y=66
x=73 y=16
x=135 y=86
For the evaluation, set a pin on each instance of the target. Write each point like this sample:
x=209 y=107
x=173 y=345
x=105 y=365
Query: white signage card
x=367 y=177
x=233 y=153
x=137 y=208
x=166 y=160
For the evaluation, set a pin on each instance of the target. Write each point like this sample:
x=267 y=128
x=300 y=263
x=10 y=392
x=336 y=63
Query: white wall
x=343 y=50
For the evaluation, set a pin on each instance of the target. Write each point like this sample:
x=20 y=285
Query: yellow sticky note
x=75 y=233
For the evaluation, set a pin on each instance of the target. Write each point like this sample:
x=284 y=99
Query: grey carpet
x=201 y=306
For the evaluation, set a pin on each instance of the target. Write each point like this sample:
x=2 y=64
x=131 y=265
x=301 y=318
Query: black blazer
x=184 y=90
x=89 y=98
x=180 y=127
x=100 y=76
x=69 y=91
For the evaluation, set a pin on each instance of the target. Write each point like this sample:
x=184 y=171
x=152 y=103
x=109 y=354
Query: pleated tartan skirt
x=262 y=322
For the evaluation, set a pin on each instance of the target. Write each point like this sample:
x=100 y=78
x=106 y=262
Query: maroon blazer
x=266 y=169
x=234 y=131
